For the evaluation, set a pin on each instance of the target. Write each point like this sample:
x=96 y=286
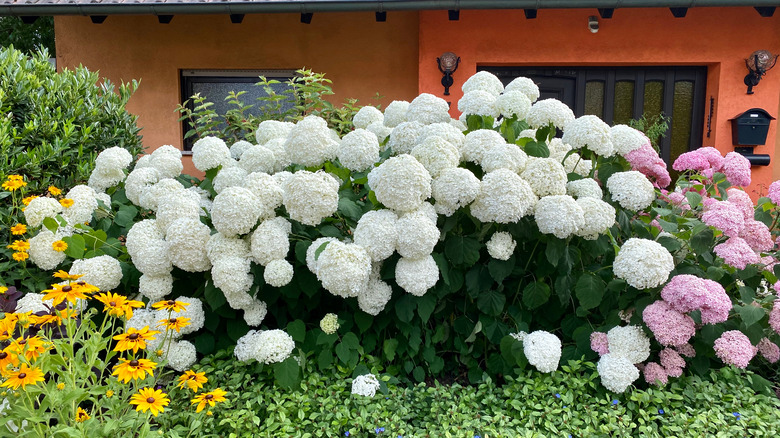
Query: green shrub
x=568 y=402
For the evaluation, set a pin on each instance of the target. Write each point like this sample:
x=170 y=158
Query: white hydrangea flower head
x=210 y=152
x=84 y=204
x=376 y=232
x=329 y=323
x=631 y=189
x=584 y=188
x=167 y=161
x=479 y=103
x=374 y=297
x=272 y=129
x=547 y=111
x=513 y=104
x=366 y=116
x=281 y=157
x=427 y=108
x=155 y=287
x=558 y=215
x=166 y=187
x=103 y=272
x=617 y=373
x=259 y=159
x=230 y=177
x=142 y=232
x=528 y=133
x=231 y=275
x=181 y=355
x=267 y=190
x=505 y=156
x=113 y=158
x=143 y=161
x=246 y=346
x=417 y=236
x=41 y=252
x=365 y=385
x=629 y=342
x=359 y=149
x=185 y=204
x=235 y=211
x=401 y=183
x=310 y=142
x=150 y=256
x=483 y=81
x=525 y=86
x=205 y=200
x=627 y=139
x=39 y=209
x=380 y=130
x=599 y=217
x=194 y=312
x=31 y=302
x=546 y=177
x=139 y=181
x=187 y=238
x=416 y=276
x=142 y=318
x=403 y=138
x=436 y=154
x=643 y=263
x=273 y=346
x=501 y=245
x=238 y=299
x=344 y=269
x=395 y=113
x=312 y=259
x=220 y=245
x=269 y=241
x=255 y=314
x=426 y=210
x=444 y=130
x=238 y=148
x=102 y=178
x=454 y=188
x=480 y=142
x=310 y=197
x=503 y=197
x=590 y=132
x=543 y=350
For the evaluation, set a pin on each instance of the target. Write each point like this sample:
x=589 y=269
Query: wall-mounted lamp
x=448 y=63
x=758 y=63
x=593 y=24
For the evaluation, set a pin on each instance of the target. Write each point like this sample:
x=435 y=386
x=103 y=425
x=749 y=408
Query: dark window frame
x=639 y=75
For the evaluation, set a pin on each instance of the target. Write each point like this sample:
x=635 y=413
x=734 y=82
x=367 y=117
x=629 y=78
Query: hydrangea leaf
x=297 y=329
x=491 y=302
x=536 y=294
x=124 y=217
x=287 y=373
x=750 y=314
x=589 y=290
x=462 y=250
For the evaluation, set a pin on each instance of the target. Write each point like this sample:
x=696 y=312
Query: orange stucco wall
x=719 y=38
x=361 y=57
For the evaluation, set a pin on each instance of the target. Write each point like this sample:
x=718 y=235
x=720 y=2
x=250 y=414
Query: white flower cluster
x=400 y=183
x=631 y=189
x=265 y=346
x=598 y=216
x=343 y=268
x=329 y=323
x=626 y=139
x=525 y=86
x=404 y=137
x=584 y=188
x=366 y=116
x=436 y=154
x=628 y=345
x=453 y=189
x=310 y=196
x=543 y=350
x=194 y=311
x=271 y=130
x=395 y=113
x=39 y=209
x=546 y=177
x=501 y=245
x=359 y=149
x=427 y=108
x=549 y=111
x=310 y=142
x=617 y=373
x=41 y=251
x=210 y=152
x=103 y=272
x=560 y=216
x=259 y=158
x=504 y=197
x=589 y=132
x=643 y=263
x=376 y=232
x=478 y=102
x=181 y=355
x=365 y=385
x=110 y=168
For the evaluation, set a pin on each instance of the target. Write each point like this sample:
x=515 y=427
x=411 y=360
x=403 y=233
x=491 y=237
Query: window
x=619 y=94
x=215 y=85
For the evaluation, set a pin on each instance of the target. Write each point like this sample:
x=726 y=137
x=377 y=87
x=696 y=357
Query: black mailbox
x=751 y=127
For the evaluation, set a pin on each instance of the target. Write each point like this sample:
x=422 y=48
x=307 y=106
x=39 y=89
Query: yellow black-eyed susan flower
x=209 y=398
x=23 y=377
x=133 y=369
x=192 y=380
x=149 y=399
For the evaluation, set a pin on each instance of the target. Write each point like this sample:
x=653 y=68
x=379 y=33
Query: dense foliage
x=28 y=38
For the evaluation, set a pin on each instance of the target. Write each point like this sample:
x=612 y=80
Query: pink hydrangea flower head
x=655 y=374
x=713 y=156
x=724 y=216
x=768 y=262
x=646 y=160
x=708 y=202
x=679 y=200
x=717 y=303
x=599 y=343
x=685 y=292
x=776 y=287
x=737 y=169
x=757 y=235
x=736 y=252
x=734 y=348
x=774 y=317
x=672 y=362
x=669 y=326
x=692 y=160
x=769 y=350
x=774 y=192
x=686 y=350
x=742 y=200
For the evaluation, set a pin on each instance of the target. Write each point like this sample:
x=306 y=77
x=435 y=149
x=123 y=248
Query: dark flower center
x=133 y=363
x=67 y=289
x=22 y=375
x=192 y=377
x=150 y=400
x=173 y=320
x=81 y=283
x=133 y=336
x=3 y=354
x=209 y=396
x=112 y=303
x=171 y=302
x=23 y=341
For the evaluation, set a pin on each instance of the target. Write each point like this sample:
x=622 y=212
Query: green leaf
x=319 y=250
x=343 y=352
x=124 y=217
x=702 y=242
x=491 y=302
x=425 y=306
x=694 y=199
x=500 y=269
x=555 y=250
x=214 y=297
x=473 y=336
x=750 y=314
x=589 y=290
x=351 y=341
x=444 y=267
x=389 y=348
x=462 y=250
x=287 y=373
x=297 y=329
x=350 y=209
x=536 y=294
x=75 y=246
x=404 y=308
x=51 y=224
x=330 y=231
x=537 y=149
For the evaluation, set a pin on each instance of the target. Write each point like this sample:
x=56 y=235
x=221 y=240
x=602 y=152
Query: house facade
x=615 y=59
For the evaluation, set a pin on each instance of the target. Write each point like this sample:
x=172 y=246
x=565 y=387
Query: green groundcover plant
x=467 y=249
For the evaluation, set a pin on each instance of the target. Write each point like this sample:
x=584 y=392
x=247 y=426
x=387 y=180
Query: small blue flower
x=379 y=429
x=661 y=411
x=346 y=433
x=557 y=395
x=737 y=414
x=477 y=436
x=564 y=406
x=615 y=402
